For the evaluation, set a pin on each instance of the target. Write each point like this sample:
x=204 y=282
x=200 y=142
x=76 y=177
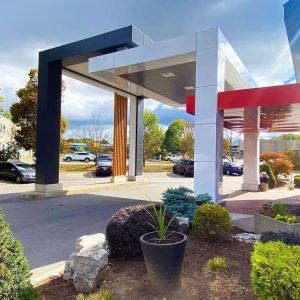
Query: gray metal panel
x=172 y=87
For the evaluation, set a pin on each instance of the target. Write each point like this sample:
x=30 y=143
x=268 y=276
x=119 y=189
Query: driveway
x=49 y=228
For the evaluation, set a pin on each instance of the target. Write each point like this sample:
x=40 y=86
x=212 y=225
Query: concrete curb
x=42 y=274
x=74 y=190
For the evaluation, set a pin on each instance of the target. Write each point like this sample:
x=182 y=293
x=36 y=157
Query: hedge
x=275 y=272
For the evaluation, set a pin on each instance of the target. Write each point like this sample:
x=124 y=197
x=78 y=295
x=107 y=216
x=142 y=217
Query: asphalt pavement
x=49 y=228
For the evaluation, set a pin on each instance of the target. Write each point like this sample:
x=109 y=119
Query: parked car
x=17 y=171
x=104 y=167
x=173 y=157
x=79 y=156
x=184 y=167
x=230 y=168
x=104 y=157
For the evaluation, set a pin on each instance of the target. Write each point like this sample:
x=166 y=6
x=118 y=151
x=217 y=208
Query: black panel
x=48 y=122
x=172 y=87
x=49 y=94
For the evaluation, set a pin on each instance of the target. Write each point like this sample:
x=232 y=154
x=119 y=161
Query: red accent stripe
x=190 y=105
x=265 y=96
x=255 y=97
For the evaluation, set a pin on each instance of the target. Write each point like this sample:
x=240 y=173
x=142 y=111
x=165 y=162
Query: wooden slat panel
x=120 y=135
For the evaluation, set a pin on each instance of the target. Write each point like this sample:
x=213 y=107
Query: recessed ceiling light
x=189 y=87
x=167 y=75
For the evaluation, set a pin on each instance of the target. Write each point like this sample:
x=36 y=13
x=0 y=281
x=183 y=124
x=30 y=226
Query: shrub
x=272 y=180
x=182 y=202
x=275 y=272
x=278 y=162
x=14 y=269
x=273 y=210
x=212 y=220
x=103 y=294
x=297 y=180
x=286 y=218
x=125 y=227
x=217 y=264
x=289 y=238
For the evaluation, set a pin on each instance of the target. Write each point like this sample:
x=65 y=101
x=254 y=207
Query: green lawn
x=89 y=167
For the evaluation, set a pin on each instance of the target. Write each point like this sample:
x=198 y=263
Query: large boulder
x=87 y=262
x=89 y=266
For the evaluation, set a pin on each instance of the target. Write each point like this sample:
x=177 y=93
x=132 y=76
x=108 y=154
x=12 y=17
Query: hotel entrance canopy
x=166 y=71
x=201 y=71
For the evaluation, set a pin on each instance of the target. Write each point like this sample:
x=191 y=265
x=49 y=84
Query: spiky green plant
x=159 y=221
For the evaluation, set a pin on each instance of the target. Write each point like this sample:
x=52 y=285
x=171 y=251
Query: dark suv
x=184 y=167
x=17 y=171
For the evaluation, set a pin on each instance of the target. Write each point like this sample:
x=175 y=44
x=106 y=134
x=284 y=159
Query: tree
x=188 y=139
x=1 y=105
x=288 y=136
x=228 y=144
x=11 y=151
x=4 y=112
x=294 y=157
x=278 y=162
x=153 y=135
x=94 y=134
x=23 y=113
x=173 y=137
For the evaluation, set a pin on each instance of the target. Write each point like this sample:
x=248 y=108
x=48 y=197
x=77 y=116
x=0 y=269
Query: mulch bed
x=127 y=279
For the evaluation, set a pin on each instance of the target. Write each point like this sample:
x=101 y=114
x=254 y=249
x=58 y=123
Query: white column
x=132 y=139
x=251 y=150
x=210 y=69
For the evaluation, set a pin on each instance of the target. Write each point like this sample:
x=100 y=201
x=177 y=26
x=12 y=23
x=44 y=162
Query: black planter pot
x=164 y=261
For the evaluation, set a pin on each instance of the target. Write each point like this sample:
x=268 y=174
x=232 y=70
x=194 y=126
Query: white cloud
x=82 y=101
x=151 y=104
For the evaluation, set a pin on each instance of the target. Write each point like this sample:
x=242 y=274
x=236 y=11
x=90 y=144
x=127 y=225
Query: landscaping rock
x=250 y=238
x=69 y=267
x=89 y=266
x=183 y=224
x=95 y=240
x=90 y=240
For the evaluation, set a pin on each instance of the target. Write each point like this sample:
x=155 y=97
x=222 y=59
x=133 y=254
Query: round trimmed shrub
x=212 y=220
x=125 y=227
x=14 y=269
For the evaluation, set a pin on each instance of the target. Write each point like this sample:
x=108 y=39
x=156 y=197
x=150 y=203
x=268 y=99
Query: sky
x=255 y=29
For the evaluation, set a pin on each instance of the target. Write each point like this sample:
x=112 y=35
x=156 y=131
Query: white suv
x=173 y=157
x=79 y=156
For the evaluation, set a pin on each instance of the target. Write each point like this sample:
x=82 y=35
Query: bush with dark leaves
x=288 y=238
x=125 y=227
